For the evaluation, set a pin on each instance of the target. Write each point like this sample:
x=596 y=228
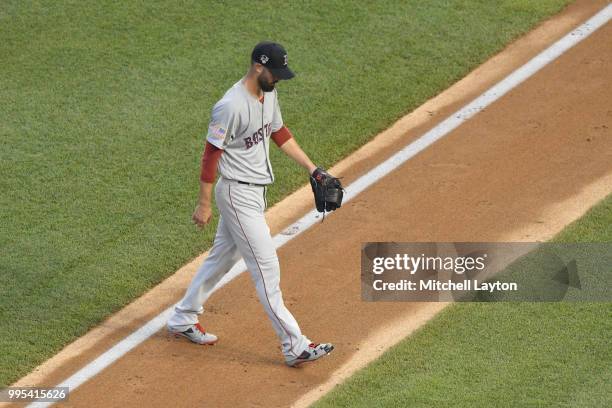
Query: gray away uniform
x=238 y=127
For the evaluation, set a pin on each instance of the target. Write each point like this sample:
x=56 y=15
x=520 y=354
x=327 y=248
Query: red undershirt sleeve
x=210 y=158
x=281 y=136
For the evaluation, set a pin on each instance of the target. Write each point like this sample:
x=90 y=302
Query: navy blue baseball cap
x=274 y=57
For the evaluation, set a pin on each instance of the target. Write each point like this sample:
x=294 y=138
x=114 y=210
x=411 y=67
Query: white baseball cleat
x=312 y=353
x=195 y=333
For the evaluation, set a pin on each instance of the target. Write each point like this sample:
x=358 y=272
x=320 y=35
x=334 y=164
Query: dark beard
x=265 y=86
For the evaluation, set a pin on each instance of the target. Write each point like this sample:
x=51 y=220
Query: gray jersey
x=241 y=125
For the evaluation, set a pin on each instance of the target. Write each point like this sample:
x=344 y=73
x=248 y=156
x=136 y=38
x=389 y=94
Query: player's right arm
x=222 y=124
x=203 y=211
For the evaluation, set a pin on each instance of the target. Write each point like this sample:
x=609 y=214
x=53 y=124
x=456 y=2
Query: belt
x=251 y=184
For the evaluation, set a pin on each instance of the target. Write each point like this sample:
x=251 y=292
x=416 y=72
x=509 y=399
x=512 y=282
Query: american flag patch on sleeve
x=217 y=131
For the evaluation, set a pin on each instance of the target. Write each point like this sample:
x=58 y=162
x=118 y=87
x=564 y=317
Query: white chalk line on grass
x=374 y=175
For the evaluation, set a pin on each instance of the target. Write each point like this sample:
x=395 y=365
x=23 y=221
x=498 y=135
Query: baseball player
x=242 y=125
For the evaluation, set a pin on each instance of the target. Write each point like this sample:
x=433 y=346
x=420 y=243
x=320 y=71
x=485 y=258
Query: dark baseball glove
x=327 y=190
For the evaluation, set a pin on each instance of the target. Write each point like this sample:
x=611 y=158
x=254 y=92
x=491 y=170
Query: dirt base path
x=498 y=176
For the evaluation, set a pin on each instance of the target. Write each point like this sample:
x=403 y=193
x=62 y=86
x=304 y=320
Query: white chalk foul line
x=374 y=175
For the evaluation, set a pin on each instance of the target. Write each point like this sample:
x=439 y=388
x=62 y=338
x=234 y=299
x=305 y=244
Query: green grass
x=102 y=120
x=499 y=354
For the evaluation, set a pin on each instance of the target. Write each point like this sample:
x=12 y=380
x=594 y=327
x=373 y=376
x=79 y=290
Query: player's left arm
x=327 y=189
x=285 y=141
x=283 y=138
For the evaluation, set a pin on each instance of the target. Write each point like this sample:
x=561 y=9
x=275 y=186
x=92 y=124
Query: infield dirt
x=519 y=170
